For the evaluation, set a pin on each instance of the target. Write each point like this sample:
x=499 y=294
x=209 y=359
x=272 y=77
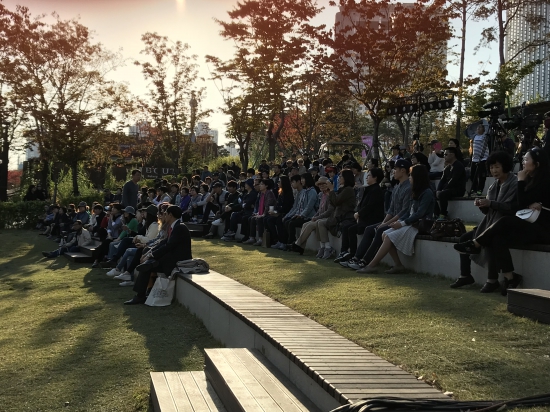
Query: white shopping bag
x=162 y=292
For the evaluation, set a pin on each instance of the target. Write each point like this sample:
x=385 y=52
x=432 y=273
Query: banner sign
x=152 y=172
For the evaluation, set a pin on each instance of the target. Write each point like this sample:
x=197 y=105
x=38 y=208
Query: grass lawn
x=463 y=340
x=67 y=337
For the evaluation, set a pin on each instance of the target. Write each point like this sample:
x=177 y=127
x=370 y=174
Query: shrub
x=216 y=163
x=20 y=215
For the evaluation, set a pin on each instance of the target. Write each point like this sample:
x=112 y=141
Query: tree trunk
x=74 y=172
x=243 y=152
x=461 y=75
x=4 y=170
x=501 y=32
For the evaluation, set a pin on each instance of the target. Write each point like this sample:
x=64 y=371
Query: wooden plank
x=161 y=396
x=196 y=399
x=284 y=399
x=235 y=395
x=179 y=394
x=208 y=392
x=261 y=394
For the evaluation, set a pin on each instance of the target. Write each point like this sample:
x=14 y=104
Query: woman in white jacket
x=436 y=161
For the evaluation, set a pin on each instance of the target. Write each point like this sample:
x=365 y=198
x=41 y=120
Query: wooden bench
x=531 y=303
x=245 y=381
x=321 y=363
x=183 y=392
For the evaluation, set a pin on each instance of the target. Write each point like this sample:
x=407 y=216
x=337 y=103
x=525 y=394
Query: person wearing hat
x=399 y=209
x=82 y=238
x=147 y=230
x=82 y=214
x=323 y=213
x=452 y=183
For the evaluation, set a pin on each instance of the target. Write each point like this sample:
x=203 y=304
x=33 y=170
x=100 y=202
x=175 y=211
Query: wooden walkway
x=343 y=369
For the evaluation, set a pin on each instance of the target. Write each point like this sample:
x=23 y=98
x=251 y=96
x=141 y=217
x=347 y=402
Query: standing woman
x=402 y=233
x=343 y=202
x=533 y=193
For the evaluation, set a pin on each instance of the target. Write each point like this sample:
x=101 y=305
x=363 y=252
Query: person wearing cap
x=400 y=207
x=436 y=160
x=216 y=201
x=82 y=238
x=241 y=212
x=147 y=230
x=316 y=223
x=82 y=214
x=452 y=183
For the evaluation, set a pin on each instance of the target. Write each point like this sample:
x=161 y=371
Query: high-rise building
x=536 y=84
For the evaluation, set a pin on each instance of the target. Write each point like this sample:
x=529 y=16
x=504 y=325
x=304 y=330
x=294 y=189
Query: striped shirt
x=480 y=150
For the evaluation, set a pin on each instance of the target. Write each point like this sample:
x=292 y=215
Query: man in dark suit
x=163 y=257
x=452 y=183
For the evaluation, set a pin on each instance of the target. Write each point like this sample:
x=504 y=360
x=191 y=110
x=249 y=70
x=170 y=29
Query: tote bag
x=162 y=292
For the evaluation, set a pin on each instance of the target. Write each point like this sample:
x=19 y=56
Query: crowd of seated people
x=374 y=212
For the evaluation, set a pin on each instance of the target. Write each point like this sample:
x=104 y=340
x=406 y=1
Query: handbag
x=424 y=226
x=530 y=215
x=162 y=292
x=447 y=228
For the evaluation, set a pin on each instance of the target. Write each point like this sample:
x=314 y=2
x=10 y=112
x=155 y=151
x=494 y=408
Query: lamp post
x=193 y=104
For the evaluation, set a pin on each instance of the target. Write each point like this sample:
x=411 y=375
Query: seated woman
x=265 y=200
x=369 y=210
x=533 y=193
x=241 y=213
x=501 y=200
x=326 y=209
x=343 y=202
x=402 y=233
x=197 y=208
x=274 y=219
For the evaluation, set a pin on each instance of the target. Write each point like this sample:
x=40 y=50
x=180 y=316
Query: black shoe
x=136 y=300
x=244 y=239
x=468 y=280
x=107 y=264
x=467 y=248
x=47 y=255
x=489 y=287
x=208 y=236
x=147 y=265
x=296 y=248
x=511 y=283
x=343 y=257
x=288 y=247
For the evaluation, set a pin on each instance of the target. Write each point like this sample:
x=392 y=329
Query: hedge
x=20 y=215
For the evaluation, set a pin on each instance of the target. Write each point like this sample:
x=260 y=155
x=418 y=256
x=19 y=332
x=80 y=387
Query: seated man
x=163 y=257
x=232 y=201
x=82 y=238
x=452 y=183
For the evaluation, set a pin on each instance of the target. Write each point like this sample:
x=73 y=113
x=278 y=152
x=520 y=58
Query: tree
x=272 y=39
x=380 y=48
x=172 y=74
x=59 y=76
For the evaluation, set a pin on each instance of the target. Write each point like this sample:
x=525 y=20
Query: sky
x=119 y=24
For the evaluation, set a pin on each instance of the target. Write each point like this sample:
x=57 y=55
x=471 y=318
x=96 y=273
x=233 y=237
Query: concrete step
x=79 y=257
x=198 y=229
x=531 y=303
x=244 y=382
x=88 y=250
x=183 y=391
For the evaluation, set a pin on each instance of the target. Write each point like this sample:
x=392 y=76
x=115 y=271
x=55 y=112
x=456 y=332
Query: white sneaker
x=126 y=283
x=217 y=222
x=113 y=272
x=123 y=276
